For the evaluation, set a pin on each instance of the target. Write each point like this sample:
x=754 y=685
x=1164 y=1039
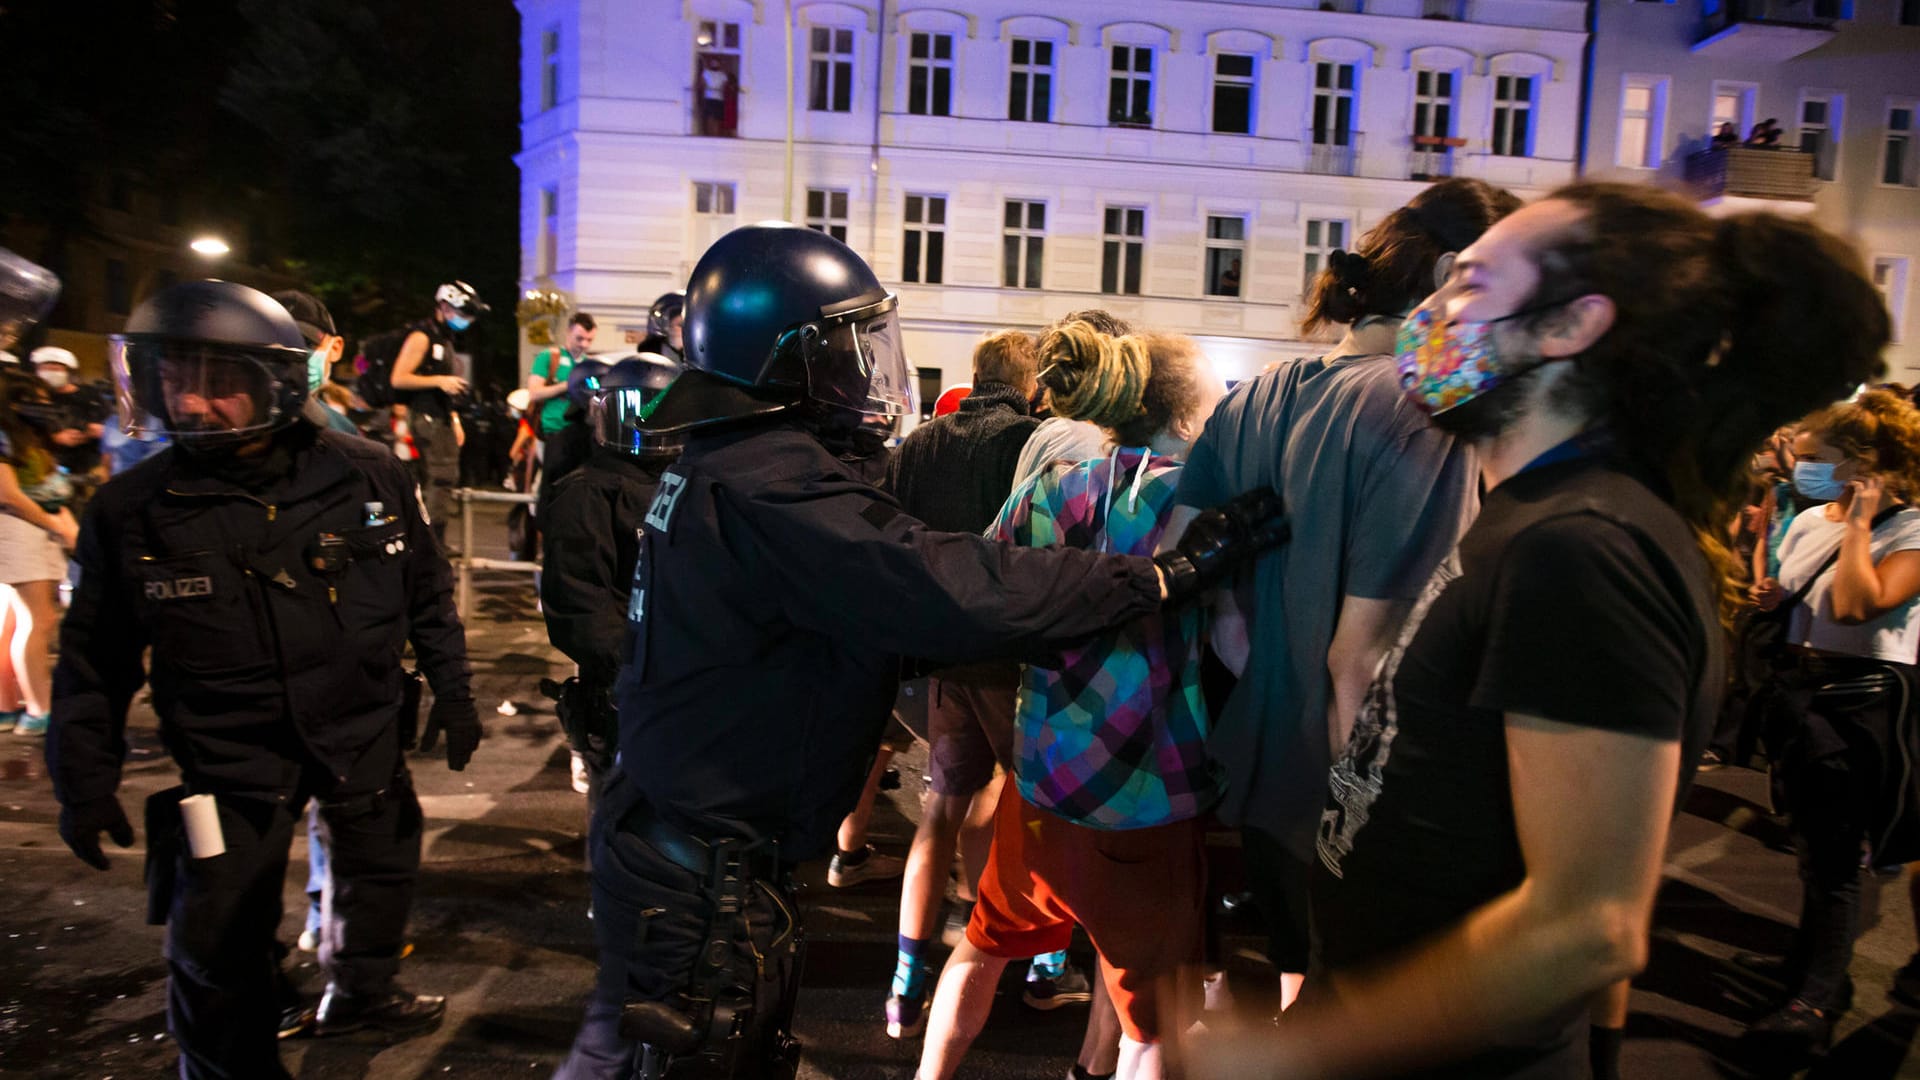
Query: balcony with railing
x=1431 y=157
x=1768 y=31
x=1728 y=175
x=1333 y=153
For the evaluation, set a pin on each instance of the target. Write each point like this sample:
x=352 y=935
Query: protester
x=425 y=382
x=267 y=575
x=773 y=596
x=1494 y=839
x=36 y=532
x=953 y=473
x=1058 y=438
x=1380 y=497
x=1105 y=827
x=1841 y=721
x=564 y=438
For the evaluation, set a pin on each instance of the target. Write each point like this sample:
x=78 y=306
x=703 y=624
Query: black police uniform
x=276 y=606
x=775 y=591
x=592 y=544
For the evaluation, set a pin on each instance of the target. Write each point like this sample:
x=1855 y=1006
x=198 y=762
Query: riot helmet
x=661 y=315
x=27 y=293
x=209 y=362
x=780 y=317
x=625 y=394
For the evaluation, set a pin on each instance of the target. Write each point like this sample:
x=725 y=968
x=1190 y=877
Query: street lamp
x=211 y=247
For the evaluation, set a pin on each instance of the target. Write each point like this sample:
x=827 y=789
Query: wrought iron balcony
x=1751 y=172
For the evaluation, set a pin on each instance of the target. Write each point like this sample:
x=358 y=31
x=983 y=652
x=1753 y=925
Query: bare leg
x=1290 y=982
x=1100 y=1048
x=10 y=700
x=960 y=1008
x=928 y=861
x=36 y=611
x=976 y=835
x=853 y=830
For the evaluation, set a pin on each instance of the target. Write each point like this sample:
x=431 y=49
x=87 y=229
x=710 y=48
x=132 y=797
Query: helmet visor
x=192 y=389
x=871 y=338
x=614 y=416
x=27 y=293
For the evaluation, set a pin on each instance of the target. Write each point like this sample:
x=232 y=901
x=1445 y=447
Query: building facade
x=1185 y=164
x=1841 y=79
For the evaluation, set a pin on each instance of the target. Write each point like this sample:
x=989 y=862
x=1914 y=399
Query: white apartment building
x=1840 y=77
x=1185 y=164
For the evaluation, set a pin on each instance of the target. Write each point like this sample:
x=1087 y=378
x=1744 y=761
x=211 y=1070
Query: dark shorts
x=970 y=726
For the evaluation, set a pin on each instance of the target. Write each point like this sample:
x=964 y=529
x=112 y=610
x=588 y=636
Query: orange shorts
x=1137 y=892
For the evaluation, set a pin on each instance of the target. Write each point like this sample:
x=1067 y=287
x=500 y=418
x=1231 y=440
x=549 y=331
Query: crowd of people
x=1590 y=493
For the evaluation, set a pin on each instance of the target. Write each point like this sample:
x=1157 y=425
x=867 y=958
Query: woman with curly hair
x=1851 y=567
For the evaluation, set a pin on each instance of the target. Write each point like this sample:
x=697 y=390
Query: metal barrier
x=468 y=561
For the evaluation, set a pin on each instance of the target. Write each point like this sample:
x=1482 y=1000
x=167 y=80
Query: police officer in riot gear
x=276 y=571
x=593 y=527
x=665 y=327
x=774 y=593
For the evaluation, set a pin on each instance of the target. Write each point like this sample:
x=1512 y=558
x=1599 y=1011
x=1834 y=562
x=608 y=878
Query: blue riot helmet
x=209 y=362
x=781 y=318
x=627 y=392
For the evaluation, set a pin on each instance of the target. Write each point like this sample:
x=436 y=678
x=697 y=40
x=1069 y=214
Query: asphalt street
x=500 y=924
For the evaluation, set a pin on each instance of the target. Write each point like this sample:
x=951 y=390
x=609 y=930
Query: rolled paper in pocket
x=202 y=817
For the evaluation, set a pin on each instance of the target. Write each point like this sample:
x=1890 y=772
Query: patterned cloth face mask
x=1444 y=365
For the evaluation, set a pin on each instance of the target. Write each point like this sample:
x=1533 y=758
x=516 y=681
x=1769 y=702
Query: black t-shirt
x=1578 y=596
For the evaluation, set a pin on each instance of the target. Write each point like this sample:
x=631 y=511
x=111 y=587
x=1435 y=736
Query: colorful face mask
x=1444 y=365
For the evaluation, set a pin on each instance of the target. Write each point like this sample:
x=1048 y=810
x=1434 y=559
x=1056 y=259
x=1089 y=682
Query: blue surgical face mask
x=458 y=323
x=1814 y=479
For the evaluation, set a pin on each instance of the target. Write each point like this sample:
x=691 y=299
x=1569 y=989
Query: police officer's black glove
x=460 y=721
x=1221 y=539
x=82 y=823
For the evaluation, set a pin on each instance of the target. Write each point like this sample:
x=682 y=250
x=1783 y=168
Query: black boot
x=394 y=1011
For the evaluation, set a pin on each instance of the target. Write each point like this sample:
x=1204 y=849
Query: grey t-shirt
x=1377 y=498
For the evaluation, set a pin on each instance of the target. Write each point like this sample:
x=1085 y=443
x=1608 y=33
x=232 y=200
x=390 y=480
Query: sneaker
x=578 y=769
x=1070 y=987
x=955 y=930
x=296 y=1017
x=1906 y=984
x=906 y=1014
x=875 y=867
x=30 y=725
x=1711 y=761
x=309 y=940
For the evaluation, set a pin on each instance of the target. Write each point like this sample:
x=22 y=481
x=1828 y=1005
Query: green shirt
x=553 y=411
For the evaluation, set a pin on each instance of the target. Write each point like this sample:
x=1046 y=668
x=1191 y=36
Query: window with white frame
x=1643 y=106
x=549 y=259
x=1433 y=104
x=1324 y=237
x=1333 y=93
x=1513 y=115
x=1732 y=104
x=1122 y=249
x=716 y=78
x=549 y=68
x=827 y=212
x=1233 y=94
x=1130 y=86
x=1030 y=82
x=713 y=210
x=930 y=74
x=924 y=257
x=1890 y=277
x=1023 y=244
x=1897 y=149
x=1226 y=254
x=1820 y=132
x=830 y=78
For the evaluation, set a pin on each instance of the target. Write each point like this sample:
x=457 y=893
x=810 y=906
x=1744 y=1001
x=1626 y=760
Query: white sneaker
x=309 y=941
x=875 y=867
x=579 y=768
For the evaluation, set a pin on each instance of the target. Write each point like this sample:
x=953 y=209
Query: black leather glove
x=460 y=721
x=82 y=823
x=1221 y=539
